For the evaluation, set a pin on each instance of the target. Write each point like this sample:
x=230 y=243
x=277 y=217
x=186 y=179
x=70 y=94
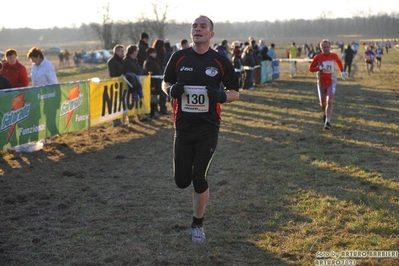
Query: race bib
x=329 y=66
x=195 y=99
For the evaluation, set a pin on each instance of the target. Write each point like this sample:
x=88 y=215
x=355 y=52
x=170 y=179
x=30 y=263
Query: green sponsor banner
x=28 y=114
x=74 y=107
x=34 y=113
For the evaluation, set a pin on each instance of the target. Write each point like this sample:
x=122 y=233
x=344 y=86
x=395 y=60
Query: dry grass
x=282 y=188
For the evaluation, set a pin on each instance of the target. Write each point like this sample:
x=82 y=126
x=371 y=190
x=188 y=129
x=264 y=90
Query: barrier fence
x=33 y=113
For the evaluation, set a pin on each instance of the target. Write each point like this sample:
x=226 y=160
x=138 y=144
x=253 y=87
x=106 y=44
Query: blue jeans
x=249 y=79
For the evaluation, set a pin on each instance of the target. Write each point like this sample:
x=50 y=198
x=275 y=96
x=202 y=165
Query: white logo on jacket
x=211 y=71
x=183 y=68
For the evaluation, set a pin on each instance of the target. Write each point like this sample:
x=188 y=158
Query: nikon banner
x=111 y=99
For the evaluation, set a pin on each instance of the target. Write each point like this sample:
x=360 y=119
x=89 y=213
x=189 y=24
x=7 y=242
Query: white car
x=106 y=54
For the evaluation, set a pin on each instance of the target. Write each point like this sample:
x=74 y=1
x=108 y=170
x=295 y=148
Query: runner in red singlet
x=324 y=64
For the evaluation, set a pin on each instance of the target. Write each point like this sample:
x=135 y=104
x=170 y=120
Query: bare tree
x=160 y=25
x=108 y=32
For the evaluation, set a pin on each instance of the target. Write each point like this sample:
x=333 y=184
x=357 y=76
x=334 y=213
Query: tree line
x=109 y=33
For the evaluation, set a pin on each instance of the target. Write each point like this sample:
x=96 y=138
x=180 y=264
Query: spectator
x=257 y=57
x=14 y=70
x=261 y=45
x=299 y=49
x=275 y=63
x=115 y=69
x=42 y=72
x=159 y=46
x=61 y=57
x=184 y=44
x=264 y=54
x=348 y=56
x=143 y=45
x=168 y=53
x=237 y=63
x=293 y=55
x=4 y=82
x=66 y=58
x=248 y=62
x=76 y=59
x=223 y=48
x=131 y=64
x=153 y=68
x=311 y=52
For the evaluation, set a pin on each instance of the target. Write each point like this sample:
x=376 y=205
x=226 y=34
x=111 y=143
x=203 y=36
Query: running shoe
x=198 y=234
x=327 y=125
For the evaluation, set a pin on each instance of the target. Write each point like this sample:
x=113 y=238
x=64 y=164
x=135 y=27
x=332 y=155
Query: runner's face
x=201 y=30
x=326 y=47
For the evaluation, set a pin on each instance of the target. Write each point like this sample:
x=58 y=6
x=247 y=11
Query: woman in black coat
x=152 y=67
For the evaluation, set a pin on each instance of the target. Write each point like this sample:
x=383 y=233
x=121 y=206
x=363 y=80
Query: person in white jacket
x=43 y=72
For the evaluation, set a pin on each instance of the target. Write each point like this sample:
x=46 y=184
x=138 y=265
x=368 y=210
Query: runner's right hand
x=176 y=90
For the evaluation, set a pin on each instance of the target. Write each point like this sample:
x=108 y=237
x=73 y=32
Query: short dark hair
x=116 y=47
x=11 y=51
x=131 y=49
x=144 y=35
x=184 y=41
x=35 y=52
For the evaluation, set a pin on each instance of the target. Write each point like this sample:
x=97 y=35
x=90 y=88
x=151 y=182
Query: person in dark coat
x=348 y=56
x=143 y=45
x=4 y=82
x=115 y=69
x=152 y=67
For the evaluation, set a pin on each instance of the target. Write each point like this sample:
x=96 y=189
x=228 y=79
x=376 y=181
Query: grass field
x=283 y=191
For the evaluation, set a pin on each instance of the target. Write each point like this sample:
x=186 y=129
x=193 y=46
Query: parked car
x=55 y=50
x=106 y=54
x=94 y=57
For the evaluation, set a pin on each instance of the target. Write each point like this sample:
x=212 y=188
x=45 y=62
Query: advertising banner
x=111 y=99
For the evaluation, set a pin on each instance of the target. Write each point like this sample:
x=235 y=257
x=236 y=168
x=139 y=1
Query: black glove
x=218 y=95
x=176 y=90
